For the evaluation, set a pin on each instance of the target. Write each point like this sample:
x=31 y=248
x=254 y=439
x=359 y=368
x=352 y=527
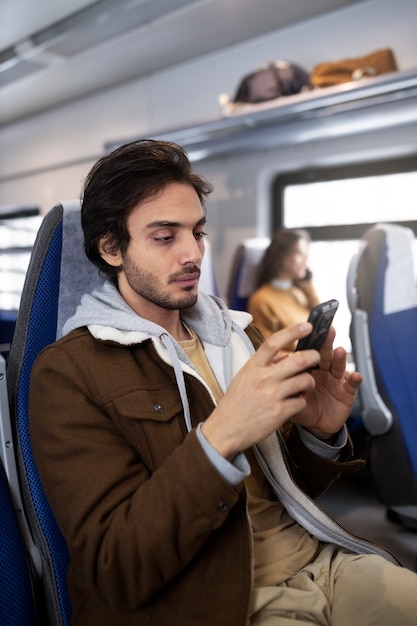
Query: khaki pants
x=340 y=589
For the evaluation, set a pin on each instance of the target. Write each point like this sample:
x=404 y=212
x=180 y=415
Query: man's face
x=161 y=266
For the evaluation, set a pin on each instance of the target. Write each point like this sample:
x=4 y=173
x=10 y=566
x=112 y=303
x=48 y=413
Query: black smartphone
x=307 y=276
x=321 y=316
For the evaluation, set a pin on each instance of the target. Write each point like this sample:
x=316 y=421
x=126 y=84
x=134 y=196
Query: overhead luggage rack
x=368 y=104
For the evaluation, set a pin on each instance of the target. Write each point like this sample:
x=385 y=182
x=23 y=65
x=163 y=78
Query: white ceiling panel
x=52 y=51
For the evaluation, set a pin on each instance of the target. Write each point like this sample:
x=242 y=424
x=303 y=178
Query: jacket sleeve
x=130 y=531
x=312 y=473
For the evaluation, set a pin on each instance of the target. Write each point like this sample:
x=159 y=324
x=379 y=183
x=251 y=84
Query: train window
x=336 y=206
x=17 y=235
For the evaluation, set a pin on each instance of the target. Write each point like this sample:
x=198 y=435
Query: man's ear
x=111 y=255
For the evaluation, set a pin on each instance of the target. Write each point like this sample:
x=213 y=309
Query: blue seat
x=20 y=598
x=382 y=296
x=17 y=584
x=243 y=274
x=59 y=274
x=7 y=324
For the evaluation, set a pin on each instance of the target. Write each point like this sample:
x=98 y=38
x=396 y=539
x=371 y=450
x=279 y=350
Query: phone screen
x=321 y=317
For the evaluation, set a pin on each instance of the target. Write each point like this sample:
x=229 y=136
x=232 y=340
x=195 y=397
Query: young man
x=179 y=462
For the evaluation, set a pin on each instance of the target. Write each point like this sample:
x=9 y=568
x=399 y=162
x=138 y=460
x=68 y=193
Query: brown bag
x=346 y=70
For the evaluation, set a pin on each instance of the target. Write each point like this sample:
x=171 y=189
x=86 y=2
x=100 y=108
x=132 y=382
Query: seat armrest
x=376 y=416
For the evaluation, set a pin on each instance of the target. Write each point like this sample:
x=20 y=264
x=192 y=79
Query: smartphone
x=307 y=276
x=321 y=317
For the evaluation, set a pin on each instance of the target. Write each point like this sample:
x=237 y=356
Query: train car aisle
x=353 y=502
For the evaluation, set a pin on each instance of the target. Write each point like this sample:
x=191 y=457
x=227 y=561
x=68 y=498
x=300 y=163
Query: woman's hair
x=121 y=180
x=274 y=256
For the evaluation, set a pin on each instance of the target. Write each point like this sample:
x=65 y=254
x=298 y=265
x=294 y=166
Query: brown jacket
x=156 y=536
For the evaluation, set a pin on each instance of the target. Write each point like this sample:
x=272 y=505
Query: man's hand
x=269 y=389
x=329 y=403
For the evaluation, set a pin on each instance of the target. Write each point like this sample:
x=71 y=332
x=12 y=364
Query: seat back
x=7 y=324
x=244 y=267
x=382 y=296
x=20 y=599
x=58 y=274
x=208 y=281
x=17 y=585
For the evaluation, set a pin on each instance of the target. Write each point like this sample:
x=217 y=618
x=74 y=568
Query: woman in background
x=284 y=290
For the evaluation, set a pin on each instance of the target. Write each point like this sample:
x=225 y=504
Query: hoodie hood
x=109 y=318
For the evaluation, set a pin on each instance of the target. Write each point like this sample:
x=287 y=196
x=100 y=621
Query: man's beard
x=147 y=285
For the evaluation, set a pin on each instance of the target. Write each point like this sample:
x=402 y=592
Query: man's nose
x=193 y=251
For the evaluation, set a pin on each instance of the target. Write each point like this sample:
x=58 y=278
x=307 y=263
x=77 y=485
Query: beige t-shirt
x=281 y=546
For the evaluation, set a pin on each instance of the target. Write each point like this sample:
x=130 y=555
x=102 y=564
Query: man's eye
x=200 y=235
x=164 y=238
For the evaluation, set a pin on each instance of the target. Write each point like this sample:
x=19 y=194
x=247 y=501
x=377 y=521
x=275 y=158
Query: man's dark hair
x=121 y=180
x=274 y=256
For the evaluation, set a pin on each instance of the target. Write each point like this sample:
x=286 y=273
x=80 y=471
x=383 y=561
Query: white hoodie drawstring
x=179 y=376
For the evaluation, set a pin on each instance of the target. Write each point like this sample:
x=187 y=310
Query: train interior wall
x=44 y=158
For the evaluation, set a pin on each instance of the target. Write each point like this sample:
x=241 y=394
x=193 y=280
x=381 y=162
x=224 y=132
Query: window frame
x=333 y=173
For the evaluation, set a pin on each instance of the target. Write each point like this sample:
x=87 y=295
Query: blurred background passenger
x=284 y=288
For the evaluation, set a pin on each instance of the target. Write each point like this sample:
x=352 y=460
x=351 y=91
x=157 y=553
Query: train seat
x=7 y=324
x=18 y=598
x=208 y=280
x=243 y=275
x=382 y=296
x=59 y=274
x=21 y=599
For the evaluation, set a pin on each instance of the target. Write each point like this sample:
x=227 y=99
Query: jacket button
x=158 y=407
x=223 y=506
